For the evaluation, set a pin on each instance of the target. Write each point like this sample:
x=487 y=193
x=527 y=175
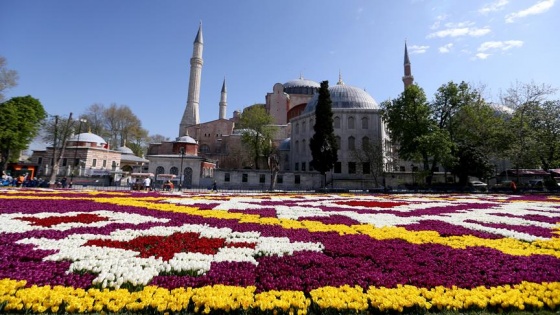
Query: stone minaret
x=223 y=101
x=190 y=116
x=408 y=79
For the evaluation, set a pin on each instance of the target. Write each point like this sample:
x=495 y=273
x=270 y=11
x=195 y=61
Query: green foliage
x=323 y=144
x=8 y=78
x=258 y=132
x=20 y=121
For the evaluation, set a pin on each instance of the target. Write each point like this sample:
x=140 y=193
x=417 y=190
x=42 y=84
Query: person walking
x=147 y=182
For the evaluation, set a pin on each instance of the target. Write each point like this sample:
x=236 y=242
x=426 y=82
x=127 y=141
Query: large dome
x=345 y=96
x=87 y=137
x=301 y=86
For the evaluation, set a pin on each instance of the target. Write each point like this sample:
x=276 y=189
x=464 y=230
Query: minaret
x=408 y=79
x=223 y=101
x=190 y=116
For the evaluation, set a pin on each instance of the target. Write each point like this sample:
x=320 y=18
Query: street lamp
x=182 y=151
x=76 y=151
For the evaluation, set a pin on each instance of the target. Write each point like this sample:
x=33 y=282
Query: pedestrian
x=513 y=187
x=214 y=186
x=147 y=182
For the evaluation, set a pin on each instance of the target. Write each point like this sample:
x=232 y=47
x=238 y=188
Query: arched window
x=337 y=122
x=297 y=128
x=365 y=143
x=160 y=170
x=365 y=123
x=338 y=141
x=351 y=143
x=303 y=126
x=350 y=122
x=303 y=145
x=174 y=170
x=297 y=146
x=204 y=148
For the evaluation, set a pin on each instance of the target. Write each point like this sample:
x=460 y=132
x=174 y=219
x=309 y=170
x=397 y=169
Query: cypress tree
x=323 y=144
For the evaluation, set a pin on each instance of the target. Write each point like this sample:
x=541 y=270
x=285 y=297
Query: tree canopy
x=20 y=122
x=323 y=144
x=8 y=78
x=257 y=132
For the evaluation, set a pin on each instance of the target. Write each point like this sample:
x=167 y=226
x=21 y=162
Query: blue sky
x=71 y=54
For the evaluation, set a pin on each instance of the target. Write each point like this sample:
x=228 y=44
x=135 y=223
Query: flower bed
x=64 y=251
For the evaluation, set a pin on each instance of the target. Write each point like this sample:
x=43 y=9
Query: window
x=303 y=166
x=338 y=167
x=226 y=177
x=244 y=178
x=160 y=170
x=365 y=143
x=77 y=162
x=297 y=129
x=303 y=145
x=303 y=126
x=402 y=169
x=104 y=163
x=297 y=146
x=297 y=179
x=366 y=168
x=204 y=148
x=351 y=143
x=338 y=141
x=262 y=178
x=350 y=122
x=311 y=125
x=311 y=166
x=94 y=163
x=296 y=167
x=351 y=167
x=174 y=170
x=365 y=123
x=337 y=122
x=40 y=161
x=279 y=179
x=64 y=161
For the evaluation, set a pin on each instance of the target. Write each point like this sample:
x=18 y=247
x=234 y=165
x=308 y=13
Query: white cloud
x=445 y=48
x=438 y=21
x=482 y=55
x=494 y=6
x=415 y=49
x=460 y=30
x=500 y=45
x=538 y=8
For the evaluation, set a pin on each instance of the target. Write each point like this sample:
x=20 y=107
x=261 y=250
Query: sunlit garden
x=282 y=253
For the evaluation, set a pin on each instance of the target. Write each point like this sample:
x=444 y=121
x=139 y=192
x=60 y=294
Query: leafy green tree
x=323 y=144
x=8 y=78
x=258 y=132
x=371 y=154
x=20 y=122
x=544 y=121
x=411 y=124
x=524 y=98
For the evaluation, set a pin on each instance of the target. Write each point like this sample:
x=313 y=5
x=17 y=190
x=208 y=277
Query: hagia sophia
x=207 y=152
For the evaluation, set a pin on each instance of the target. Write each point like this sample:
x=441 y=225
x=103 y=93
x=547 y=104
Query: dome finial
x=300 y=76
x=340 y=82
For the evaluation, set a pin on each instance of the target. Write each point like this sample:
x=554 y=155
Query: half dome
x=345 y=97
x=301 y=86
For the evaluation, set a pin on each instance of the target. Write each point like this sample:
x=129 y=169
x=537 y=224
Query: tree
x=412 y=125
x=258 y=132
x=20 y=121
x=524 y=145
x=372 y=155
x=57 y=130
x=544 y=120
x=323 y=144
x=8 y=78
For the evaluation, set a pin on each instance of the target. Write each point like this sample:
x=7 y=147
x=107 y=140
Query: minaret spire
x=191 y=114
x=223 y=101
x=408 y=79
x=340 y=82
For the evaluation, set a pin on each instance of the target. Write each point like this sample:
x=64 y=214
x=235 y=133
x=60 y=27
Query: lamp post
x=412 y=172
x=182 y=151
x=76 y=151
